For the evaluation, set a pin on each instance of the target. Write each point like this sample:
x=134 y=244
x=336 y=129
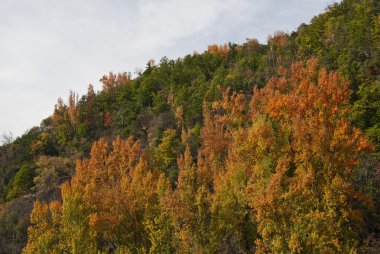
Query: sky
x=49 y=47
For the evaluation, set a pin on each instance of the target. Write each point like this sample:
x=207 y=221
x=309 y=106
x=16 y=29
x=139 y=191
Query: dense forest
x=251 y=148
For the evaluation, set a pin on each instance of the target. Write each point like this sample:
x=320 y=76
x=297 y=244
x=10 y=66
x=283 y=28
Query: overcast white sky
x=48 y=47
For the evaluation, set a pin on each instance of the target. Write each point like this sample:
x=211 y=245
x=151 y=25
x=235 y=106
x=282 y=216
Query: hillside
x=241 y=148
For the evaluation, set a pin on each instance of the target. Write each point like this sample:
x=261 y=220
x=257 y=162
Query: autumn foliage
x=302 y=196
x=273 y=175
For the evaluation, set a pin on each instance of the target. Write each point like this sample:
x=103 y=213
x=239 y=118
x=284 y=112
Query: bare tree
x=6 y=138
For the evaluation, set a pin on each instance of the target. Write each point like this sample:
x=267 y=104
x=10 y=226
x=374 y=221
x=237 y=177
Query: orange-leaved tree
x=305 y=152
x=104 y=206
x=115 y=188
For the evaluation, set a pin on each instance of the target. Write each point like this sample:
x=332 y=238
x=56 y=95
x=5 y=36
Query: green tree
x=22 y=182
x=167 y=152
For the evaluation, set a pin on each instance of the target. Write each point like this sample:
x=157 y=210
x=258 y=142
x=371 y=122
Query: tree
x=6 y=138
x=233 y=228
x=302 y=196
x=52 y=171
x=44 y=232
x=112 y=81
x=22 y=182
x=167 y=152
x=73 y=109
x=95 y=213
x=159 y=220
x=185 y=209
x=366 y=111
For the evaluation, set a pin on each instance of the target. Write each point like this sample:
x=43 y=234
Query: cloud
x=49 y=47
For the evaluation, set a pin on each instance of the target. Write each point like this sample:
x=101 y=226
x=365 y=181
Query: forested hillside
x=252 y=148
